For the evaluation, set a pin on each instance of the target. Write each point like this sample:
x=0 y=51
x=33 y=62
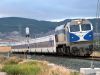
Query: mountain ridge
x=17 y=25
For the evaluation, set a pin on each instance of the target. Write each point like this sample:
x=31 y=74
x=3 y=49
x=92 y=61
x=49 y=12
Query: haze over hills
x=12 y=26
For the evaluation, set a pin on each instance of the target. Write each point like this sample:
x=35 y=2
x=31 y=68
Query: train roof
x=79 y=21
x=61 y=27
x=72 y=22
x=36 y=40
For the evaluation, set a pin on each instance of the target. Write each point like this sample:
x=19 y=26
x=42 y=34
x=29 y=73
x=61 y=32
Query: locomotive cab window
x=85 y=27
x=74 y=28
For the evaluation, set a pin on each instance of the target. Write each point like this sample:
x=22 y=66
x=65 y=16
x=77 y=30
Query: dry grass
x=58 y=70
x=1 y=66
x=2 y=58
x=52 y=69
x=12 y=60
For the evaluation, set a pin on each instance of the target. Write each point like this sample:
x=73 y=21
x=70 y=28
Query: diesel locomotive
x=74 y=38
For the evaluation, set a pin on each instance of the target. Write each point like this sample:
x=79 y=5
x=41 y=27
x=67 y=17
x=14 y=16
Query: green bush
x=12 y=69
x=30 y=69
x=21 y=69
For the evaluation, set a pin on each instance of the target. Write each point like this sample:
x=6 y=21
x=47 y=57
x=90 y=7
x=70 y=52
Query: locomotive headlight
x=79 y=22
x=90 y=35
x=72 y=37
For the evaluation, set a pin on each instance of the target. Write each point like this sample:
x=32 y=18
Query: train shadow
x=49 y=55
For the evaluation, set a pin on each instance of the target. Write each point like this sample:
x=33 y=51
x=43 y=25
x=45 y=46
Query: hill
x=16 y=26
x=10 y=24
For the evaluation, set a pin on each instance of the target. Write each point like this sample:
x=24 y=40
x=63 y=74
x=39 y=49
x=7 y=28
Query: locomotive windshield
x=74 y=28
x=85 y=27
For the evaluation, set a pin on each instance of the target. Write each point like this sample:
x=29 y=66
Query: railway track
x=94 y=58
x=69 y=62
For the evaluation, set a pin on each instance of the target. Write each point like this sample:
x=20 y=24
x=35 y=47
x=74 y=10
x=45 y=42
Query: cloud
x=48 y=9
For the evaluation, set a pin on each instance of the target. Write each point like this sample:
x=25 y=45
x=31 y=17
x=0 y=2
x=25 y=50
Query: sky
x=50 y=10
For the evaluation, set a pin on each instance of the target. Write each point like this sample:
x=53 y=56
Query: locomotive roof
x=73 y=22
x=79 y=21
x=59 y=27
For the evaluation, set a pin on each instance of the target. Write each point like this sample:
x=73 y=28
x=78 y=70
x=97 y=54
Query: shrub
x=21 y=69
x=12 y=69
x=29 y=69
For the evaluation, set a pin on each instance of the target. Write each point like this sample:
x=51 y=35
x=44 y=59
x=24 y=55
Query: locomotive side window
x=74 y=28
x=85 y=27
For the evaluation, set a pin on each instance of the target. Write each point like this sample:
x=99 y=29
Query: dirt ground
x=5 y=48
x=96 y=53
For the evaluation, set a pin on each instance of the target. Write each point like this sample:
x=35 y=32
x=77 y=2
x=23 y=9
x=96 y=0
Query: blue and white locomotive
x=74 y=38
